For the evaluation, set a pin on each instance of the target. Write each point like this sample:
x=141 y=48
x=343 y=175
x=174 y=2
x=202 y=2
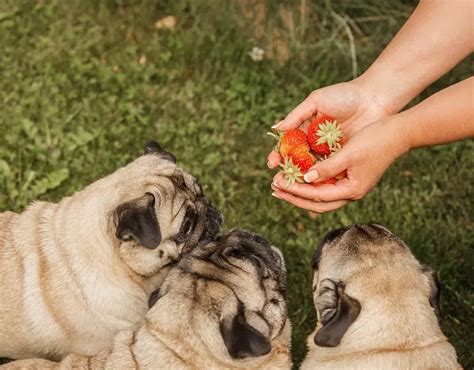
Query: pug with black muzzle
x=376 y=305
x=75 y=273
x=222 y=306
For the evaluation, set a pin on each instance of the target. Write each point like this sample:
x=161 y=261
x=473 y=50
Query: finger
x=279 y=181
x=330 y=167
x=273 y=159
x=341 y=190
x=300 y=114
x=318 y=207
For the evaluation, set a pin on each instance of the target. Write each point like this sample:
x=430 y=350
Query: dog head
x=363 y=271
x=156 y=211
x=229 y=296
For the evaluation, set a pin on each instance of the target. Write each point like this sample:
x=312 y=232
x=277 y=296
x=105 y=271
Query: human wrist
x=398 y=134
x=368 y=88
x=386 y=88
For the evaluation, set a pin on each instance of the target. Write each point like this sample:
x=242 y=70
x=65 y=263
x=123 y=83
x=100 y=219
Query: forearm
x=444 y=117
x=437 y=36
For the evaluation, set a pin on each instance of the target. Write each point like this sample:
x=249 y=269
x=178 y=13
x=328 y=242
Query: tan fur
x=181 y=330
x=67 y=284
x=396 y=328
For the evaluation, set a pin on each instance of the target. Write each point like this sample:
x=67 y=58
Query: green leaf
x=5 y=170
x=51 y=181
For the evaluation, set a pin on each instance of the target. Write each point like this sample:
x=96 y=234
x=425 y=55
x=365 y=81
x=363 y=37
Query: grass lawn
x=83 y=85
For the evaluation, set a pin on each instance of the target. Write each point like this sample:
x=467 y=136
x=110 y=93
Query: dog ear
x=152 y=147
x=337 y=311
x=137 y=220
x=212 y=224
x=435 y=289
x=241 y=339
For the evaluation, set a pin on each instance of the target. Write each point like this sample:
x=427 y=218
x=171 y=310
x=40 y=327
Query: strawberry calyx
x=278 y=136
x=330 y=133
x=291 y=172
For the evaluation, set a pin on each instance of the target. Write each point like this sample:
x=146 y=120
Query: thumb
x=328 y=168
x=301 y=113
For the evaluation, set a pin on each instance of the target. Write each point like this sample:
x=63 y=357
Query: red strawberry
x=341 y=175
x=298 y=161
x=324 y=135
x=288 y=140
x=302 y=158
x=331 y=180
x=321 y=149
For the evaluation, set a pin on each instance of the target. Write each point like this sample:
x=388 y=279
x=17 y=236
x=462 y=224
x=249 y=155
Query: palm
x=349 y=105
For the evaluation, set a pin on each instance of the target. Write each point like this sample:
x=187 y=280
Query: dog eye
x=187 y=227
x=235 y=253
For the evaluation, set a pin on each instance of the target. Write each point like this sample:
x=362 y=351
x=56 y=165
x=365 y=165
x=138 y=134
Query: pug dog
x=75 y=273
x=222 y=306
x=376 y=305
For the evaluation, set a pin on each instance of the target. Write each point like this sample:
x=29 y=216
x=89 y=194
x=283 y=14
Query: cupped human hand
x=349 y=103
x=366 y=156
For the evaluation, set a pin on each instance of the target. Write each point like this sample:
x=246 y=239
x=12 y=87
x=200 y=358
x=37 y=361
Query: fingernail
x=269 y=165
x=311 y=176
x=275 y=186
x=277 y=125
x=274 y=194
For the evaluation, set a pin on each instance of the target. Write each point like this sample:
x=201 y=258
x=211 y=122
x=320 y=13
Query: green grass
x=77 y=104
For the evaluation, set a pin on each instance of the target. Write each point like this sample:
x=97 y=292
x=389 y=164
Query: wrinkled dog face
x=238 y=285
x=360 y=266
x=159 y=212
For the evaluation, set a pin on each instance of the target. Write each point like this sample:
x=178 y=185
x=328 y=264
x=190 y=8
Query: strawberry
x=341 y=175
x=288 y=140
x=321 y=149
x=324 y=135
x=302 y=158
x=298 y=161
x=331 y=180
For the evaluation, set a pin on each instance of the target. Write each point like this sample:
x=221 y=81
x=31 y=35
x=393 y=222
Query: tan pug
x=75 y=273
x=221 y=307
x=376 y=305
